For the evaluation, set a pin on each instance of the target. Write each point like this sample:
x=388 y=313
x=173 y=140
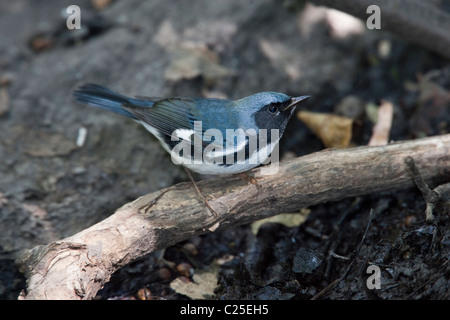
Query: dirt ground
x=52 y=186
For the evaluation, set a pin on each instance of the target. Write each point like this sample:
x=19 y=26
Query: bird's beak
x=296 y=100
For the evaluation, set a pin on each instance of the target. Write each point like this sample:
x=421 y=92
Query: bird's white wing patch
x=184 y=134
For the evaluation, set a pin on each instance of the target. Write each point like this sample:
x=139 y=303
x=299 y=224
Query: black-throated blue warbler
x=207 y=136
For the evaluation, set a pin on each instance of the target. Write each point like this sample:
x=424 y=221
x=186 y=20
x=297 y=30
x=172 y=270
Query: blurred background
x=65 y=166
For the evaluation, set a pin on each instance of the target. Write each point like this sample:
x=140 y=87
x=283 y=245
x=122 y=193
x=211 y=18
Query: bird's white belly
x=209 y=167
x=212 y=168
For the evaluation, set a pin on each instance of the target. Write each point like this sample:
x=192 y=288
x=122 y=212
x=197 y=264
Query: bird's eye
x=273 y=109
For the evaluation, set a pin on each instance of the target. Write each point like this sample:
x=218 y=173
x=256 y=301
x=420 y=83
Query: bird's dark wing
x=166 y=115
x=162 y=117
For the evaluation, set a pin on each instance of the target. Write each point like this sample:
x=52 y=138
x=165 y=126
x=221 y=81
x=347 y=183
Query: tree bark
x=78 y=266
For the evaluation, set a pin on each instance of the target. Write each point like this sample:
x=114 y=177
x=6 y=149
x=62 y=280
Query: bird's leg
x=244 y=176
x=200 y=194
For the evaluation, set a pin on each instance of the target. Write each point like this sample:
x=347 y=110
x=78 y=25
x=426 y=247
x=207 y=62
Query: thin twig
x=200 y=194
x=431 y=197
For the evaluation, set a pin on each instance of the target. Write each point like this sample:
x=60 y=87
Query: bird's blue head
x=268 y=110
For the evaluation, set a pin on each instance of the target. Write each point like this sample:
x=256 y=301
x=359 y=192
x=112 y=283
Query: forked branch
x=78 y=266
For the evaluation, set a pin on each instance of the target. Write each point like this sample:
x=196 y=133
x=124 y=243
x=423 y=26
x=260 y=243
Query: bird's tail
x=101 y=97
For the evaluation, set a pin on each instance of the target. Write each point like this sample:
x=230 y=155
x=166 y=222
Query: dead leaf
x=309 y=17
x=432 y=105
x=217 y=35
x=203 y=285
x=5 y=81
x=166 y=36
x=190 y=57
x=4 y=100
x=428 y=88
x=185 y=269
x=381 y=130
x=144 y=294
x=41 y=42
x=101 y=4
x=215 y=94
x=343 y=25
x=189 y=63
x=3 y=199
x=334 y=131
x=44 y=144
x=35 y=211
x=287 y=219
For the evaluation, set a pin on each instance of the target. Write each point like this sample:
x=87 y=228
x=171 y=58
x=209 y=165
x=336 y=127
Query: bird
x=205 y=135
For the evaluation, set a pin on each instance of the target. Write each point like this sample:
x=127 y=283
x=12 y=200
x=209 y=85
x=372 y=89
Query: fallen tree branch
x=78 y=266
x=417 y=21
